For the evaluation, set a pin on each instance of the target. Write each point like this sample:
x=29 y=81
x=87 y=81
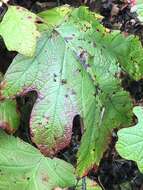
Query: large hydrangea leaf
x=73 y=72
x=93 y=50
x=19 y=31
x=64 y=89
x=130 y=142
x=24 y=167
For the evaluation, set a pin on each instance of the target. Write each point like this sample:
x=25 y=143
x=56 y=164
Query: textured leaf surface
x=61 y=93
x=18 y=29
x=130 y=142
x=23 y=167
x=113 y=105
x=9 y=116
x=73 y=72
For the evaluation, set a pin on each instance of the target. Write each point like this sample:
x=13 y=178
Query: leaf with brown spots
x=72 y=77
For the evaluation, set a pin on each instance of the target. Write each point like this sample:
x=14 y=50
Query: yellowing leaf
x=18 y=29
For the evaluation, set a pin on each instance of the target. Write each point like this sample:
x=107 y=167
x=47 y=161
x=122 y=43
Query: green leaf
x=54 y=17
x=92 y=47
x=74 y=73
x=9 y=116
x=24 y=167
x=59 y=99
x=130 y=140
x=128 y=51
x=18 y=29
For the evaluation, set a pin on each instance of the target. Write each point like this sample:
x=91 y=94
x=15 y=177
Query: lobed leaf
x=76 y=69
x=23 y=167
x=19 y=31
x=130 y=140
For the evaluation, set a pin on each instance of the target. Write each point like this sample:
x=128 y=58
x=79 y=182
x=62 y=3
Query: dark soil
x=114 y=173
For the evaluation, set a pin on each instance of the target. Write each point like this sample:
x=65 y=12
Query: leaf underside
x=24 y=167
x=76 y=70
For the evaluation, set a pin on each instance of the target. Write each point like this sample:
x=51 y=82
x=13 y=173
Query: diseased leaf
x=130 y=142
x=18 y=29
x=59 y=84
x=74 y=72
x=92 y=46
x=9 y=116
x=23 y=167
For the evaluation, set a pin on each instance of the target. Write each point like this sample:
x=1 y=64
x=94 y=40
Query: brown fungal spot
x=64 y=81
x=29 y=17
x=6 y=127
x=38 y=20
x=73 y=92
x=45 y=178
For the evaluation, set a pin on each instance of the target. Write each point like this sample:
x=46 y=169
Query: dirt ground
x=114 y=173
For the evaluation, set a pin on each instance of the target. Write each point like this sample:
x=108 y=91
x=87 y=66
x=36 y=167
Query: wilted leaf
x=130 y=142
x=23 y=167
x=18 y=29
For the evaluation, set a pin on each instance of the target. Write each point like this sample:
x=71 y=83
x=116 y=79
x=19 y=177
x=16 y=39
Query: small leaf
x=130 y=142
x=9 y=116
x=23 y=167
x=18 y=29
